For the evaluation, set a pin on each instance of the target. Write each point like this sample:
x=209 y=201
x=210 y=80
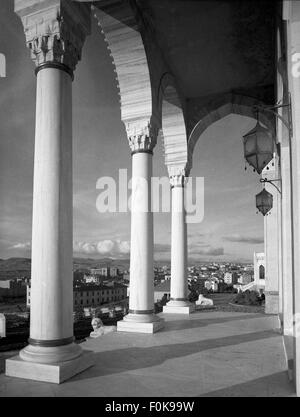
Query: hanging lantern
x=258 y=147
x=264 y=201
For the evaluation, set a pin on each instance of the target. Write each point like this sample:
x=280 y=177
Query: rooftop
x=163 y=286
x=101 y=286
x=221 y=354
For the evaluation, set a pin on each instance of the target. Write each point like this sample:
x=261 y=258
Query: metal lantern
x=264 y=201
x=258 y=147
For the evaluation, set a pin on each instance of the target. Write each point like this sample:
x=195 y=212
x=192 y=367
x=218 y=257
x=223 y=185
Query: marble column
x=141 y=317
x=272 y=236
x=178 y=303
x=52 y=354
x=287 y=245
x=292 y=17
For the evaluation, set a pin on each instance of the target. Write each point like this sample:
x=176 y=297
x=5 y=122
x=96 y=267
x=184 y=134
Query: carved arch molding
x=150 y=98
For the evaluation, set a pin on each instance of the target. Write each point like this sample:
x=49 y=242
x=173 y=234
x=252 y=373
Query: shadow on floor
x=133 y=358
x=189 y=323
x=170 y=326
x=274 y=385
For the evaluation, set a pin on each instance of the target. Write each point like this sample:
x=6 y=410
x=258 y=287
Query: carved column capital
x=178 y=181
x=142 y=137
x=55 y=33
x=178 y=176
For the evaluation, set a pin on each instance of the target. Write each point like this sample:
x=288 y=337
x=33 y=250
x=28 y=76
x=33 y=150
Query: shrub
x=193 y=296
x=251 y=298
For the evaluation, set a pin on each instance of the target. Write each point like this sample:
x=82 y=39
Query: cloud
x=25 y=246
x=105 y=247
x=243 y=239
x=124 y=247
x=114 y=248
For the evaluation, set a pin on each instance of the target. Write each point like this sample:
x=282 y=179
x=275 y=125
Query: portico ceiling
x=214 y=47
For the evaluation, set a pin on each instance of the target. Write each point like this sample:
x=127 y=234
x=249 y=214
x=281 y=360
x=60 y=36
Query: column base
x=271 y=302
x=54 y=354
x=140 y=323
x=54 y=373
x=179 y=307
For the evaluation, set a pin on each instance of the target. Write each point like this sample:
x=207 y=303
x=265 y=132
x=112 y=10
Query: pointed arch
x=207 y=114
x=173 y=122
x=124 y=42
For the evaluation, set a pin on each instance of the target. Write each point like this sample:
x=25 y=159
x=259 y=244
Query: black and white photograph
x=149 y=201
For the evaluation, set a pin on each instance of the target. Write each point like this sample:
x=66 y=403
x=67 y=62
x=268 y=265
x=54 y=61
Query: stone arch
x=172 y=112
x=209 y=113
x=125 y=44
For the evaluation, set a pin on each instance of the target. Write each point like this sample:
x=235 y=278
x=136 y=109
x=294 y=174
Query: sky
x=230 y=231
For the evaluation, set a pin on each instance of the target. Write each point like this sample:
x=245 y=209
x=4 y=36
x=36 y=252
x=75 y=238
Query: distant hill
x=12 y=267
x=12 y=263
x=86 y=263
x=18 y=267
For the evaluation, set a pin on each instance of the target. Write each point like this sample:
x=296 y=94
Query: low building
x=92 y=279
x=235 y=277
x=93 y=295
x=13 y=288
x=211 y=285
x=126 y=277
x=108 y=271
x=100 y=271
x=113 y=271
x=230 y=278
x=245 y=278
x=90 y=296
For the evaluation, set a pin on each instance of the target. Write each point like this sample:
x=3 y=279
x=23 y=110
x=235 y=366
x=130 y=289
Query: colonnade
x=141 y=317
x=55 y=37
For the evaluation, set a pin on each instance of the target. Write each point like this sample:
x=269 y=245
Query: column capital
x=178 y=176
x=55 y=31
x=142 y=136
x=179 y=180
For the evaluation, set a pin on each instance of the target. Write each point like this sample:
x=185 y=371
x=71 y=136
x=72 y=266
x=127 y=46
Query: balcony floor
x=207 y=354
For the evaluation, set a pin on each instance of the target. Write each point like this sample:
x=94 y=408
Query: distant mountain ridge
x=15 y=264
x=12 y=267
